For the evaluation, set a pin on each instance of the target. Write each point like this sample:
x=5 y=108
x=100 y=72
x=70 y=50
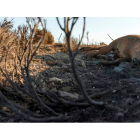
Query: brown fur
x=85 y=49
x=126 y=48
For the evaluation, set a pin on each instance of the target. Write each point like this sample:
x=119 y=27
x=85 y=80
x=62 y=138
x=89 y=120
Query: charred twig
x=73 y=55
x=93 y=96
x=59 y=38
x=110 y=37
x=63 y=101
x=131 y=108
x=27 y=55
x=26 y=114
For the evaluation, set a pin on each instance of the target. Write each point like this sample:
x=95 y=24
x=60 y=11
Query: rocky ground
x=116 y=85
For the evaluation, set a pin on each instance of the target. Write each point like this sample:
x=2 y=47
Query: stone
x=48 y=58
x=56 y=80
x=5 y=108
x=123 y=67
x=117 y=70
x=67 y=94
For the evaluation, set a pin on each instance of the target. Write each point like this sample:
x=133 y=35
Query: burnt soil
x=120 y=90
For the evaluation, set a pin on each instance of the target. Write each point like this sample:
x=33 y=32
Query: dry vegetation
x=46 y=82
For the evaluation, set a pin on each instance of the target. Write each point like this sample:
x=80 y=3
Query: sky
x=98 y=27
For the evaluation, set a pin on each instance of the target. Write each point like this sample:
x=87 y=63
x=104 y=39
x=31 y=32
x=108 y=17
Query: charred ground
x=118 y=89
